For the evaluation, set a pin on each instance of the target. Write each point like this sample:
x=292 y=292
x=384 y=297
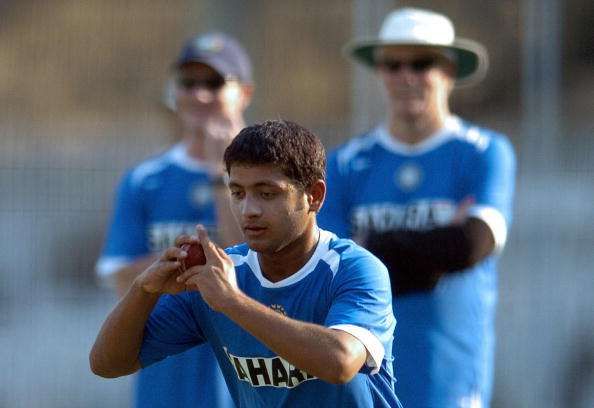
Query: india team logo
x=408 y=176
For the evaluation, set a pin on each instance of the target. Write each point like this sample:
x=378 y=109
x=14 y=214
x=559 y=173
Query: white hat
x=424 y=28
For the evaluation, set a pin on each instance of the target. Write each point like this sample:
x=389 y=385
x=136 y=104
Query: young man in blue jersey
x=431 y=195
x=296 y=316
x=213 y=87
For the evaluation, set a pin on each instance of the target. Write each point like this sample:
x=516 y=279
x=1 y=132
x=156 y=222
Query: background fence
x=80 y=101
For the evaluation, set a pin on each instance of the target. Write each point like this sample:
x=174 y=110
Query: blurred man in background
x=213 y=87
x=431 y=195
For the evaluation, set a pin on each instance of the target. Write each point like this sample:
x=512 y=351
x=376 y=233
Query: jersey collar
x=178 y=154
x=452 y=125
x=321 y=249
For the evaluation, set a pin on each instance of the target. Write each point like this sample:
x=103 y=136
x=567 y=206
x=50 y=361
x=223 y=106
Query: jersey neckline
x=321 y=248
x=178 y=154
x=452 y=125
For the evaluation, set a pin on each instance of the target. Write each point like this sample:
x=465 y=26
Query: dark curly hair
x=295 y=150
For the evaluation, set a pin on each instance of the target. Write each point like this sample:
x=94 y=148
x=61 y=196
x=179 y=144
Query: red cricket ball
x=195 y=256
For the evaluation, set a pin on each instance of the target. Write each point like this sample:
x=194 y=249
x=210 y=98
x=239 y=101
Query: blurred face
x=201 y=93
x=270 y=209
x=417 y=80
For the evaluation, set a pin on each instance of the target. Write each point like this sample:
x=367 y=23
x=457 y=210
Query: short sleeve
x=492 y=185
x=172 y=328
x=334 y=215
x=493 y=180
x=362 y=304
x=126 y=237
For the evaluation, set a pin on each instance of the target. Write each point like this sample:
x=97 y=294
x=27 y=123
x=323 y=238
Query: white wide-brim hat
x=424 y=28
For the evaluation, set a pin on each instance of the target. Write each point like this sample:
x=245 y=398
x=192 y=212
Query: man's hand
x=219 y=130
x=215 y=280
x=161 y=276
x=462 y=211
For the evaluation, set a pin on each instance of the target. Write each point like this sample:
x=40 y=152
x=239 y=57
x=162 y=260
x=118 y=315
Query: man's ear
x=247 y=91
x=315 y=195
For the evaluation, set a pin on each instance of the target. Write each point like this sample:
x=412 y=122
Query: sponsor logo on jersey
x=162 y=234
x=420 y=215
x=266 y=371
x=408 y=176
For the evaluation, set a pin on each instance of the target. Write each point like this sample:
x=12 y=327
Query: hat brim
x=472 y=58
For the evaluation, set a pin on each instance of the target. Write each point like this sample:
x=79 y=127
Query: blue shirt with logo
x=156 y=201
x=444 y=340
x=342 y=286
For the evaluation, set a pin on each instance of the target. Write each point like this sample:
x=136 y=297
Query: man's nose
x=203 y=94
x=250 y=207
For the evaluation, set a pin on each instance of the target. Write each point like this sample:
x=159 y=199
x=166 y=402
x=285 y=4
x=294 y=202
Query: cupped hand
x=216 y=280
x=160 y=277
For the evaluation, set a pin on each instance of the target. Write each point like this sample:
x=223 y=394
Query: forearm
x=449 y=248
x=116 y=349
x=331 y=355
x=416 y=259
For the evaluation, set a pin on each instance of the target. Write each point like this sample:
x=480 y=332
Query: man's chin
x=264 y=247
x=412 y=113
x=256 y=245
x=194 y=121
x=412 y=107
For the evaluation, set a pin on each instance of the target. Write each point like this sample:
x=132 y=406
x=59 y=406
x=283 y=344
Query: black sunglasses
x=211 y=84
x=417 y=65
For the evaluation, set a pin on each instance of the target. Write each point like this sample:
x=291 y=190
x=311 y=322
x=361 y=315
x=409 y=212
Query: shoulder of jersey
x=238 y=253
x=238 y=250
x=475 y=136
x=348 y=253
x=340 y=245
x=153 y=165
x=345 y=247
x=355 y=147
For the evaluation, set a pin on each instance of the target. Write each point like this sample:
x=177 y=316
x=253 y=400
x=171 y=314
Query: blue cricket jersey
x=444 y=341
x=342 y=286
x=157 y=200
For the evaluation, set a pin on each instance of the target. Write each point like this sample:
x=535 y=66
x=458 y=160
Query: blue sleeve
x=335 y=213
x=361 y=296
x=172 y=328
x=127 y=232
x=493 y=177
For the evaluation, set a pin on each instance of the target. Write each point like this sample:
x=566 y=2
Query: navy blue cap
x=219 y=51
